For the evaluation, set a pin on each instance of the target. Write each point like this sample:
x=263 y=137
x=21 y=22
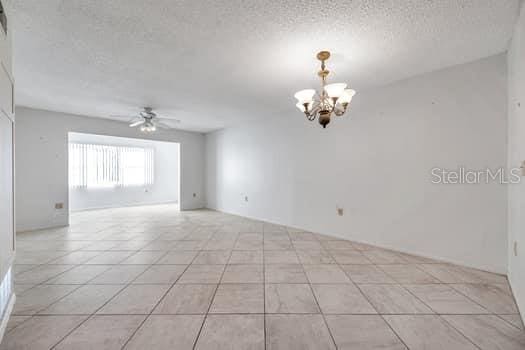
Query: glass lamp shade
x=148 y=127
x=346 y=96
x=335 y=90
x=300 y=106
x=305 y=96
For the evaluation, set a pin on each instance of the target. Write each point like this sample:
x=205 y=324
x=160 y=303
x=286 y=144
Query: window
x=92 y=166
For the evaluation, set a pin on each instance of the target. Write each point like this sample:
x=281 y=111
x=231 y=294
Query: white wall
x=376 y=163
x=165 y=187
x=41 y=163
x=516 y=65
x=7 y=120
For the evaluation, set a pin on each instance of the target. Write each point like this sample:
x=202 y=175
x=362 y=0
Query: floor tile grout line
x=459 y=331
x=264 y=291
x=403 y=285
x=437 y=314
x=53 y=302
x=512 y=294
x=373 y=306
x=49 y=279
x=485 y=308
x=212 y=298
x=78 y=286
x=165 y=252
x=18 y=325
x=471 y=299
x=508 y=322
x=393 y=330
x=51 y=262
x=88 y=316
x=379 y=266
x=319 y=307
x=260 y=313
x=264 y=282
x=156 y=305
x=435 y=283
x=89 y=280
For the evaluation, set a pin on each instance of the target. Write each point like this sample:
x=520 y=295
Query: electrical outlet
x=246 y=198
x=194 y=195
x=59 y=206
x=515 y=248
x=340 y=211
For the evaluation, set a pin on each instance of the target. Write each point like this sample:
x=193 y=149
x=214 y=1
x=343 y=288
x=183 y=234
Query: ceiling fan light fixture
x=137 y=123
x=148 y=127
x=147 y=121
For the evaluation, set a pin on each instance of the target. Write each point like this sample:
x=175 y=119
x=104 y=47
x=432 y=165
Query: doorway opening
x=113 y=172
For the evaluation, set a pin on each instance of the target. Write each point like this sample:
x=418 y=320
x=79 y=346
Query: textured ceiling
x=217 y=63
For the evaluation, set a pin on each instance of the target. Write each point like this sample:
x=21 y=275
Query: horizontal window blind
x=92 y=166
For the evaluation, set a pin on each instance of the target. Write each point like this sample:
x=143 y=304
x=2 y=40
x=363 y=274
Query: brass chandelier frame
x=322 y=105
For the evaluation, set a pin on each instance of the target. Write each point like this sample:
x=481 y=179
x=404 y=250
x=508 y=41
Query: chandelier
x=333 y=98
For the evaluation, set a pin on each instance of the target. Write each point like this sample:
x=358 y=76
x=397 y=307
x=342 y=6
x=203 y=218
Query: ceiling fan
x=147 y=121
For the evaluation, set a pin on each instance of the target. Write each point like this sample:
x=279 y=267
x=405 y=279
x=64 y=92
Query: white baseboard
x=521 y=309
x=7 y=300
x=129 y=205
x=375 y=244
x=7 y=313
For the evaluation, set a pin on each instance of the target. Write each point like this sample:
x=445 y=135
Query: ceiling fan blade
x=167 y=117
x=136 y=119
x=149 y=114
x=163 y=125
x=122 y=116
x=137 y=123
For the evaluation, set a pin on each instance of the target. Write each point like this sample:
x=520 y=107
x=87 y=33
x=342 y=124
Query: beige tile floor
x=154 y=278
